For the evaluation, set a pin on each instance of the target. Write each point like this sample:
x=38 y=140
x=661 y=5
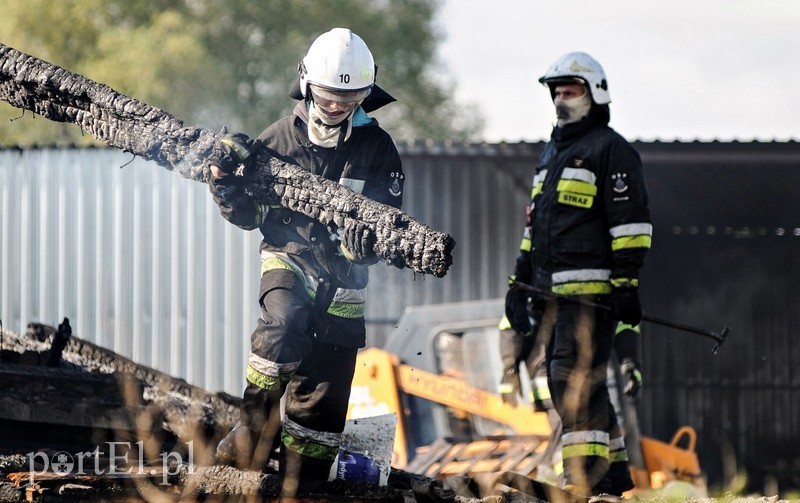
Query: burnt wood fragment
x=60 y=339
x=153 y=134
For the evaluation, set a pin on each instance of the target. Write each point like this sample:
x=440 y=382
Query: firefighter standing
x=528 y=350
x=589 y=233
x=313 y=277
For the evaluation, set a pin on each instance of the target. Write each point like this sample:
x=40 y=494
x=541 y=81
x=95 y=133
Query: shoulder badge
x=620 y=184
x=395 y=189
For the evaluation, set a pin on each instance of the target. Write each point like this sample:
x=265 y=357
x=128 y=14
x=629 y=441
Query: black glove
x=517 y=309
x=510 y=387
x=358 y=243
x=625 y=305
x=230 y=151
x=632 y=376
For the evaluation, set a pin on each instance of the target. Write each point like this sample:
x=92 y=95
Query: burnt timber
x=146 y=131
x=64 y=394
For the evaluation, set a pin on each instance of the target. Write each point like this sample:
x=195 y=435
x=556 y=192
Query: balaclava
x=323 y=130
x=572 y=110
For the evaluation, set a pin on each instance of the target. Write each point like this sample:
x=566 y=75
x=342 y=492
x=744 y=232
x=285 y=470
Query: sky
x=677 y=70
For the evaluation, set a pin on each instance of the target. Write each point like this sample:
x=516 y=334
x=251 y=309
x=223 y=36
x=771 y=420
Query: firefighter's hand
x=510 y=387
x=633 y=377
x=358 y=243
x=229 y=153
x=625 y=305
x=517 y=310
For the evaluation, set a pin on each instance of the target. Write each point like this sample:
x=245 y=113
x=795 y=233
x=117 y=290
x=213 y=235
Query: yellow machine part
x=670 y=461
x=380 y=379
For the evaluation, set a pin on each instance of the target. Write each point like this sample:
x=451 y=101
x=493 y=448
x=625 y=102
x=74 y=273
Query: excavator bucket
x=669 y=461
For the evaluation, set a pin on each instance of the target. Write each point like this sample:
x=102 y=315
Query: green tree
x=218 y=63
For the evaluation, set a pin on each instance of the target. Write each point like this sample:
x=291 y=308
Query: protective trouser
x=577 y=357
x=286 y=356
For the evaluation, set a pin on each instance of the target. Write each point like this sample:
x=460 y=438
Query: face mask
x=332 y=115
x=326 y=135
x=573 y=110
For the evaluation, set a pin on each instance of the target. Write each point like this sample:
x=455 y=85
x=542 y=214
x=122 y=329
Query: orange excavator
x=439 y=372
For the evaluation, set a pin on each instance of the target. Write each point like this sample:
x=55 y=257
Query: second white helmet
x=338 y=60
x=581 y=66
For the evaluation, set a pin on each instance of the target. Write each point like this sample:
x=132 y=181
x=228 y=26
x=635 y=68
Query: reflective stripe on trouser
x=618 y=479
x=284 y=333
x=346 y=303
x=541 y=392
x=317 y=399
x=308 y=442
x=578 y=356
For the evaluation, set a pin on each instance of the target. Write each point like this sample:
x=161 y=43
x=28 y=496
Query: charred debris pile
x=82 y=423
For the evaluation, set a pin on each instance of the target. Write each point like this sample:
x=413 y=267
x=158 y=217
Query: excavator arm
x=450 y=423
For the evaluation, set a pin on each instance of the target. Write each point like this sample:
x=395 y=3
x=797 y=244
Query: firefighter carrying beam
x=313 y=277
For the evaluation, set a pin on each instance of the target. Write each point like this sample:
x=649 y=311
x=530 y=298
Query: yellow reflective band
x=634 y=229
x=525 y=245
x=577 y=186
x=618 y=456
x=272 y=263
x=505 y=388
x=266 y=382
x=346 y=310
x=536 y=190
x=308 y=447
x=581 y=450
x=625 y=282
x=626 y=242
x=621 y=327
x=541 y=393
x=581 y=201
x=584 y=288
x=504 y=323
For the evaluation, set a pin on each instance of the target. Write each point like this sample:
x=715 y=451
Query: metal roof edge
x=468 y=149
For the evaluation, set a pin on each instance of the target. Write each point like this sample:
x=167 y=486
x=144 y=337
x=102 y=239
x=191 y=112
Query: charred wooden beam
x=60 y=339
x=97 y=389
x=136 y=127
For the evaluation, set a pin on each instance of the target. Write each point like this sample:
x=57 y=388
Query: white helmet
x=338 y=60
x=584 y=68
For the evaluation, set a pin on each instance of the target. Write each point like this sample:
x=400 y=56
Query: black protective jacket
x=368 y=163
x=590 y=221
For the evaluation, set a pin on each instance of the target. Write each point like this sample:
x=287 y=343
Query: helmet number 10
x=344 y=78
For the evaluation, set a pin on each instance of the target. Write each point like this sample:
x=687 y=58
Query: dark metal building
x=726 y=252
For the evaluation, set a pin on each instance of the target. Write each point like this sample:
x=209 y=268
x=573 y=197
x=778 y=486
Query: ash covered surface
x=66 y=399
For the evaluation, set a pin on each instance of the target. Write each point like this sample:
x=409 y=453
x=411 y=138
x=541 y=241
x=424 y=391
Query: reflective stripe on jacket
x=590 y=217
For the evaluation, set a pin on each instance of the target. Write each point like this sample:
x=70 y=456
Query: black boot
x=300 y=475
x=250 y=442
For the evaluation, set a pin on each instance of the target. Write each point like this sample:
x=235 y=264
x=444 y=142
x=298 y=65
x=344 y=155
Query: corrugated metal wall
x=141 y=262
x=136 y=257
x=725 y=252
